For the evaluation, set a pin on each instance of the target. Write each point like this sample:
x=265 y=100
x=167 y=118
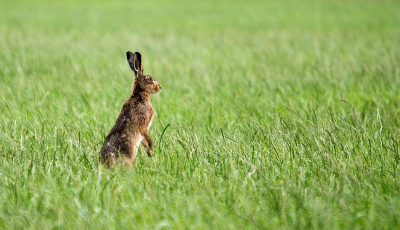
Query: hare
x=131 y=127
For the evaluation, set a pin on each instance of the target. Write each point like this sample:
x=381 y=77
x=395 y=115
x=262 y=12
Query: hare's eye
x=151 y=79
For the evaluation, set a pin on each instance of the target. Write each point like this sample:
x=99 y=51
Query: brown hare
x=136 y=116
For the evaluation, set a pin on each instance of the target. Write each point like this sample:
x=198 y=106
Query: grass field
x=272 y=114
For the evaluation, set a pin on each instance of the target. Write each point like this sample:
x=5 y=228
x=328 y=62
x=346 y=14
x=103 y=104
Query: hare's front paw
x=149 y=152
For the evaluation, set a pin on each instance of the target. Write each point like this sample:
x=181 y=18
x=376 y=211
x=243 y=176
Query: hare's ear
x=135 y=62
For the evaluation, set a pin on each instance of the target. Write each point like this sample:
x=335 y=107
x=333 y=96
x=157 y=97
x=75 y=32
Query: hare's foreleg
x=147 y=143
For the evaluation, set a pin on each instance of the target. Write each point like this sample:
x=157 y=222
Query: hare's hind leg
x=108 y=160
x=128 y=161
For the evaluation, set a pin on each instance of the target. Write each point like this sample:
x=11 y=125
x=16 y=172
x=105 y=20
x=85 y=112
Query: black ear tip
x=128 y=54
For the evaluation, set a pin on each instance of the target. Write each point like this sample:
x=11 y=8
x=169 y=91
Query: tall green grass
x=272 y=115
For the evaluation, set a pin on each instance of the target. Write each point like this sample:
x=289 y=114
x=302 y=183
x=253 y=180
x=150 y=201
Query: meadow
x=272 y=115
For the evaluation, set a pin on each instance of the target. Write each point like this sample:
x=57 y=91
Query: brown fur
x=136 y=115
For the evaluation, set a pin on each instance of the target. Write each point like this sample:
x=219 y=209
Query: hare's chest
x=150 y=119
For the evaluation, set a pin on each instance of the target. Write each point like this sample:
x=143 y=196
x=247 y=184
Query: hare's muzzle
x=158 y=88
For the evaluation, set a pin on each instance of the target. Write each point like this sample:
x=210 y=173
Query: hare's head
x=146 y=82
